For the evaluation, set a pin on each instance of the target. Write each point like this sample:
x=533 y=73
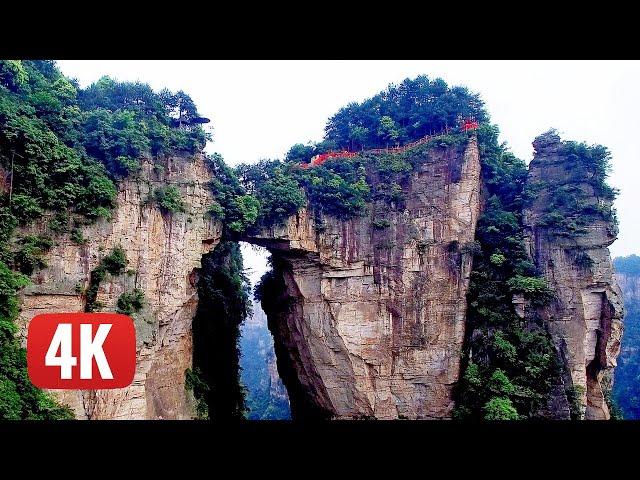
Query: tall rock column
x=368 y=314
x=584 y=318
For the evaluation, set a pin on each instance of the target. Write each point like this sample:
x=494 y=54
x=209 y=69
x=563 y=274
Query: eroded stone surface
x=585 y=317
x=371 y=321
x=163 y=252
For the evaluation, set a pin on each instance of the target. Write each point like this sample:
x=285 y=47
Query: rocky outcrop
x=164 y=252
x=369 y=319
x=368 y=314
x=585 y=315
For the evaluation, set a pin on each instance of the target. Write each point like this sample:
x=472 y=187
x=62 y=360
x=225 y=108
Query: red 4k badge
x=87 y=351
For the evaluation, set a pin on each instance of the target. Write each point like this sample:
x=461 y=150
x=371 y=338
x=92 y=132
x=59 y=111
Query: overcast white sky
x=260 y=108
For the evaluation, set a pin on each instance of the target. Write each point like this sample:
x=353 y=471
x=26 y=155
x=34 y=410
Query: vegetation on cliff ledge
x=510 y=363
x=400 y=114
x=580 y=197
x=342 y=187
x=63 y=149
x=167 y=197
x=130 y=302
x=232 y=205
x=114 y=263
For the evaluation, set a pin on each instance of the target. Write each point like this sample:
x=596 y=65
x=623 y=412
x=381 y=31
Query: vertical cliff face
x=584 y=317
x=164 y=251
x=368 y=314
x=369 y=317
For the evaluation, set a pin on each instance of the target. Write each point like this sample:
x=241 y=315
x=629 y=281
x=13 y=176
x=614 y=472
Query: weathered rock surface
x=369 y=317
x=370 y=322
x=164 y=251
x=584 y=319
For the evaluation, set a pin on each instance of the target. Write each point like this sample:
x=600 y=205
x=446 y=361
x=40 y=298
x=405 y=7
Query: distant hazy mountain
x=267 y=397
x=626 y=387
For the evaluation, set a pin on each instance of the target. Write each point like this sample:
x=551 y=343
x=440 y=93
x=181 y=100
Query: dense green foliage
x=500 y=408
x=126 y=120
x=193 y=382
x=626 y=385
x=337 y=188
x=402 y=113
x=342 y=187
x=276 y=188
x=130 y=302
x=511 y=363
x=114 y=263
x=41 y=131
x=19 y=399
x=69 y=145
x=223 y=305
x=28 y=255
x=168 y=199
x=583 y=197
x=233 y=205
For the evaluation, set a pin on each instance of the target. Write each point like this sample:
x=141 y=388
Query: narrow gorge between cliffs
x=266 y=397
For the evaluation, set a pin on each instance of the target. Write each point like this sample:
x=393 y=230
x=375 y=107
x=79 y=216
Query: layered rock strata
x=585 y=315
x=369 y=321
x=164 y=252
